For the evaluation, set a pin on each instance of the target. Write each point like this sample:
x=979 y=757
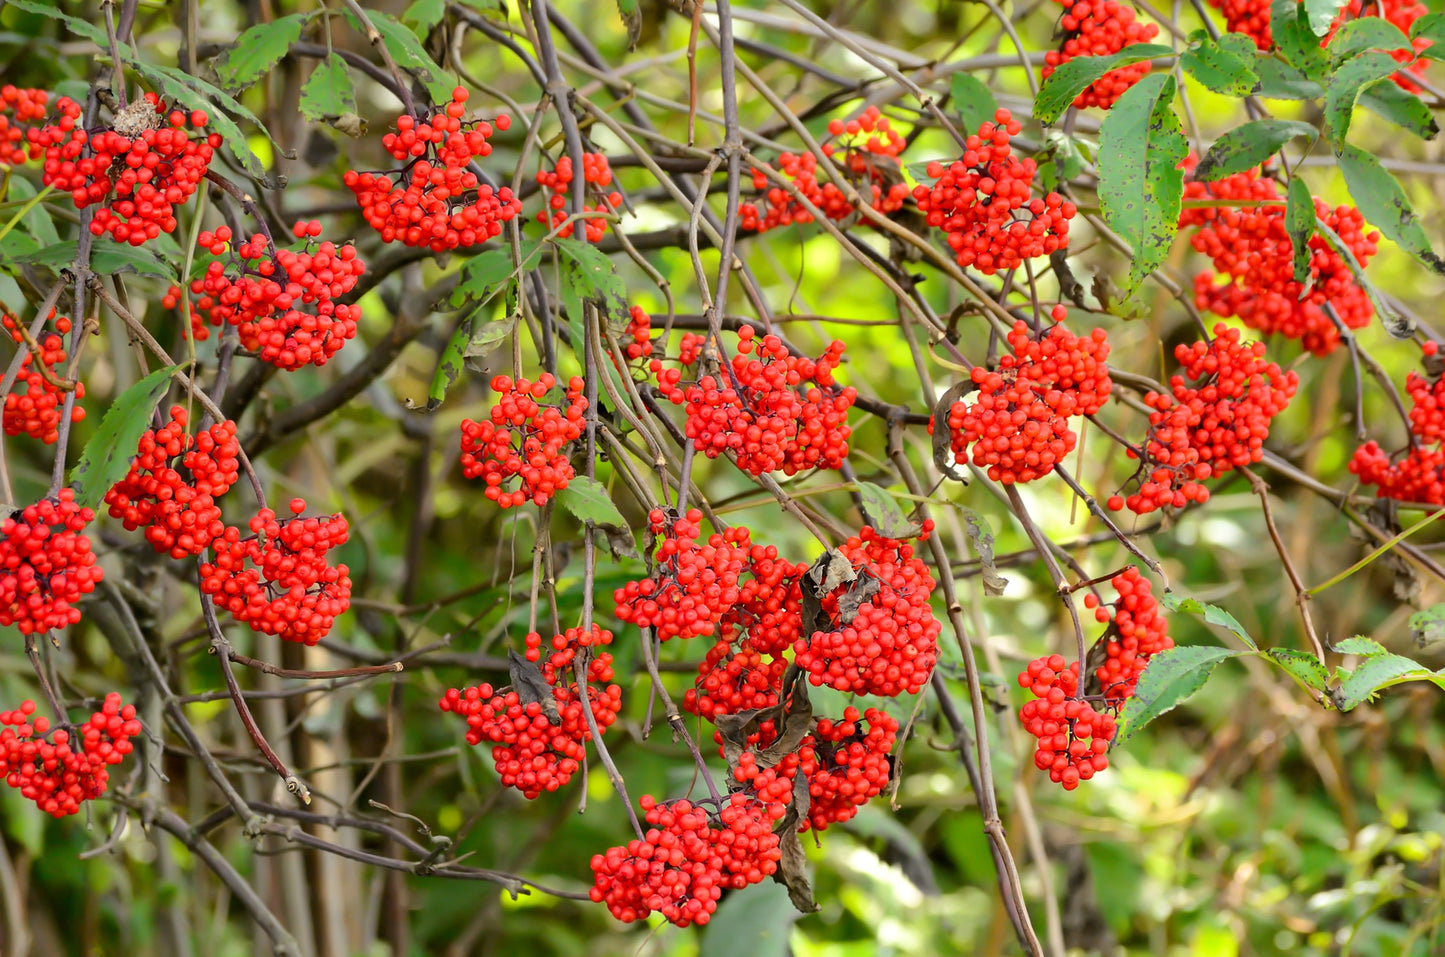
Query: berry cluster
x=1249 y=17
x=18 y=108
x=692 y=586
x=1252 y=254
x=436 y=200
x=71 y=767
x=173 y=483
x=846 y=766
x=1138 y=632
x=283 y=302
x=524 y=440
x=1073 y=737
x=35 y=411
x=46 y=564
x=1099 y=28
x=278 y=580
x=556 y=184
x=753 y=408
x=1211 y=427
x=982 y=201
x=1018 y=425
x=149 y=162
x=639 y=331
x=199 y=330
x=887 y=644
x=1420 y=475
x=684 y=862
x=533 y=752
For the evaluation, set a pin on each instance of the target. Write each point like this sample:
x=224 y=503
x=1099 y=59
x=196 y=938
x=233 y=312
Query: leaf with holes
x=887 y=515
x=1350 y=80
x=1383 y=202
x=1171 y=677
x=1245 y=147
x=1065 y=84
x=329 y=97
x=972 y=100
x=107 y=455
x=1140 y=184
x=1299 y=223
x=409 y=54
x=258 y=49
x=1225 y=65
x=1305 y=668
x=1212 y=614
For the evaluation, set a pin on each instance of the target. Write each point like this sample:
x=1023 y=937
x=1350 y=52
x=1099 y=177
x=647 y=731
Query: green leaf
x=1061 y=159
x=1282 y=81
x=1222 y=66
x=1212 y=614
x=973 y=100
x=1402 y=108
x=883 y=509
x=1074 y=77
x=1140 y=184
x=753 y=922
x=1428 y=626
x=106 y=259
x=1429 y=27
x=595 y=277
x=1397 y=325
x=1360 y=645
x=1349 y=81
x=1366 y=33
x=1382 y=201
x=587 y=499
x=1171 y=677
x=1295 y=39
x=632 y=20
x=1245 y=147
x=107 y=455
x=409 y=54
x=329 y=97
x=1377 y=673
x=1305 y=668
x=422 y=15
x=484 y=273
x=1322 y=13
x=258 y=49
x=80 y=28
x=1299 y=222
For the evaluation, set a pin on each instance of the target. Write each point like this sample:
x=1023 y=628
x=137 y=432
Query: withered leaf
x=795 y=722
x=792 y=873
x=942 y=438
x=530 y=686
x=980 y=536
x=735 y=729
x=863 y=590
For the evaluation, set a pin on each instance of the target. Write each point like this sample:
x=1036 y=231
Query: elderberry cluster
x=72 y=766
x=557 y=183
x=35 y=406
x=1100 y=28
x=524 y=440
x=18 y=109
x=46 y=564
x=1419 y=474
x=692 y=586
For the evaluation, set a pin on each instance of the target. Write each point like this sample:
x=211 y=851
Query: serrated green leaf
x=887 y=515
x=1397 y=325
x=1374 y=675
x=105 y=259
x=258 y=49
x=587 y=499
x=1140 y=184
x=1247 y=146
x=422 y=15
x=328 y=96
x=597 y=278
x=1282 y=81
x=81 y=28
x=972 y=100
x=483 y=275
x=1305 y=668
x=1064 y=85
x=107 y=455
x=1293 y=37
x=1429 y=27
x=1404 y=109
x=1366 y=33
x=1360 y=645
x=1170 y=678
x=632 y=20
x=1428 y=626
x=1320 y=14
x=1213 y=614
x=1220 y=66
x=1299 y=222
x=1349 y=81
x=1384 y=204
x=409 y=54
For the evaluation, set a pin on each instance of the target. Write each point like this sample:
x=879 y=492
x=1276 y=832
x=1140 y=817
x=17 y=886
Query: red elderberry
x=1137 y=631
x=35 y=406
x=845 y=765
x=557 y=183
x=173 y=483
x=46 y=564
x=72 y=766
x=199 y=331
x=1073 y=737
x=1100 y=28
x=1419 y=474
x=18 y=109
x=692 y=585
x=436 y=201
x=524 y=440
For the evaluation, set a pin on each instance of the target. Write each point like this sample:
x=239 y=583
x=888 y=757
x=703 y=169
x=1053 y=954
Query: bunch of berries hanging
x=1017 y=426
x=1099 y=28
x=525 y=440
x=19 y=108
x=538 y=745
x=1249 y=17
x=173 y=483
x=34 y=406
x=436 y=201
x=1214 y=421
x=46 y=564
x=1418 y=475
x=597 y=174
x=283 y=302
x=774 y=411
x=692 y=585
x=846 y=764
x=60 y=769
x=984 y=203
x=865 y=148
x=277 y=580
x=1254 y=258
x=150 y=161
x=879 y=635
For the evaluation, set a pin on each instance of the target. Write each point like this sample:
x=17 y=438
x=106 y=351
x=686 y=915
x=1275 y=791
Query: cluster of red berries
x=1420 y=475
x=733 y=678
x=984 y=204
x=692 y=586
x=46 y=564
x=1073 y=737
x=173 y=483
x=199 y=330
x=524 y=440
x=1249 y=17
x=753 y=408
x=639 y=333
x=436 y=201
x=278 y=580
x=283 y=302
x=35 y=411
x=684 y=862
x=18 y=108
x=862 y=142
x=533 y=752
x=150 y=161
x=72 y=766
x=1139 y=631
x=1018 y=424
x=886 y=645
x=1100 y=28
x=1251 y=251
x=556 y=184
x=1217 y=424
x=846 y=766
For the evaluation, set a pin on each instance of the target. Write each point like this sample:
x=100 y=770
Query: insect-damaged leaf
x=1384 y=204
x=530 y=686
x=1245 y=147
x=329 y=97
x=887 y=517
x=1171 y=677
x=258 y=49
x=1072 y=78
